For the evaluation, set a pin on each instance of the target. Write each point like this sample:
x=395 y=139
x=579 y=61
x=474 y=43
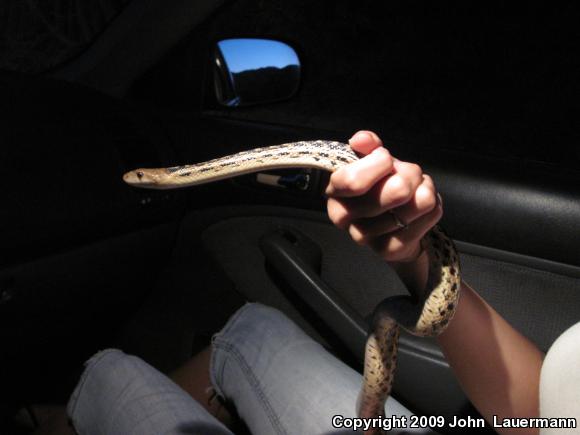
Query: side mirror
x=254 y=71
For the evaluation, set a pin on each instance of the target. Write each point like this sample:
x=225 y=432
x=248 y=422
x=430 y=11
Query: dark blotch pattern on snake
x=427 y=313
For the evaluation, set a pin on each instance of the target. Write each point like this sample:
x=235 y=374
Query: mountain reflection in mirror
x=253 y=71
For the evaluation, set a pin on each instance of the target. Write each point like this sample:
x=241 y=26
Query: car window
x=491 y=79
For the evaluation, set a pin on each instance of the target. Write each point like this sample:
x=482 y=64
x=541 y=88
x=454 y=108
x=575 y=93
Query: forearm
x=498 y=368
x=376 y=196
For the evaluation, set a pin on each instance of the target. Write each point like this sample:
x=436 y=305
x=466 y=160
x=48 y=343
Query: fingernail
x=360 y=135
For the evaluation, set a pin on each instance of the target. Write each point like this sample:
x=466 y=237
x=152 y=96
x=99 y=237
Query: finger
x=401 y=245
x=359 y=177
x=363 y=230
x=338 y=213
x=389 y=193
x=424 y=200
x=364 y=142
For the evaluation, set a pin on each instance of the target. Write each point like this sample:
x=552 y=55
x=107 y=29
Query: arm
x=498 y=368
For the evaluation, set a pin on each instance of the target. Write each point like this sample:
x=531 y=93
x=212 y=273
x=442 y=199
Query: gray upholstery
x=539 y=301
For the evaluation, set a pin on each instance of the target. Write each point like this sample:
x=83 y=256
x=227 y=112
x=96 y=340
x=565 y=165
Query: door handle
x=298 y=181
x=423 y=376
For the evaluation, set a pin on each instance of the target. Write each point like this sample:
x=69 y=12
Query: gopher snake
x=426 y=314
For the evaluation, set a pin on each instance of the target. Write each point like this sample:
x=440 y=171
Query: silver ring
x=398 y=222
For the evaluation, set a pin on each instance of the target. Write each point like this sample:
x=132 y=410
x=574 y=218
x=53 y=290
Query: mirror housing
x=254 y=71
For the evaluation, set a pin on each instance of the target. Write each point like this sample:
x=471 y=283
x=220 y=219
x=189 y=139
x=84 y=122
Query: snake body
x=426 y=313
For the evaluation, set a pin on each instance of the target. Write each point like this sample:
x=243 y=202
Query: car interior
x=481 y=95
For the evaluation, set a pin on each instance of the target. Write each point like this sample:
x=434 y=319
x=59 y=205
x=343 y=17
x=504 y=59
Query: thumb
x=364 y=142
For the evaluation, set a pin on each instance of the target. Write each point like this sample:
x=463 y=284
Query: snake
x=425 y=312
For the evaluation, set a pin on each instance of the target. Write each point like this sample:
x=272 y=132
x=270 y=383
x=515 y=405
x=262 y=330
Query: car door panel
x=440 y=86
x=539 y=302
x=80 y=249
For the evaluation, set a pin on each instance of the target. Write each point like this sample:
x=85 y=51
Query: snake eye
x=140 y=174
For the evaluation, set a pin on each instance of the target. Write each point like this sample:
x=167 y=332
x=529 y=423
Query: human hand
x=384 y=203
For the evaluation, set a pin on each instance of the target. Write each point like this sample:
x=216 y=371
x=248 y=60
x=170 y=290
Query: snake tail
x=426 y=313
x=379 y=369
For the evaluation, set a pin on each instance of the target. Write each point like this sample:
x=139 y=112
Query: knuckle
x=415 y=170
x=351 y=181
x=384 y=157
x=357 y=187
x=425 y=198
x=400 y=191
x=428 y=181
x=337 y=178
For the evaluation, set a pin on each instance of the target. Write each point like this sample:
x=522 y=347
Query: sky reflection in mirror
x=246 y=54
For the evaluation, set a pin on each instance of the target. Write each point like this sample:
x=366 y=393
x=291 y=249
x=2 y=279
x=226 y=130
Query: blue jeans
x=279 y=379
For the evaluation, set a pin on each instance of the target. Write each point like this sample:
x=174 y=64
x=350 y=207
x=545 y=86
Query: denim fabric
x=119 y=394
x=279 y=379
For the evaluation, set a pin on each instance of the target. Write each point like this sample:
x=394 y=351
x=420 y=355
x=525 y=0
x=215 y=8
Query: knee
x=257 y=325
x=109 y=375
x=265 y=316
x=105 y=357
x=254 y=336
x=110 y=368
x=560 y=376
x=564 y=350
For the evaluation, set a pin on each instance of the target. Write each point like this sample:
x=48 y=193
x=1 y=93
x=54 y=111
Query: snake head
x=148 y=178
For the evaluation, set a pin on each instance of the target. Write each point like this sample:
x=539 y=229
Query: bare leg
x=193 y=377
x=52 y=420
